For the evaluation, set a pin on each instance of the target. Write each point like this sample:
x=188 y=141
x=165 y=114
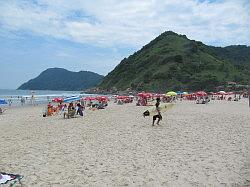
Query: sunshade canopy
x=171 y=93
x=2 y=101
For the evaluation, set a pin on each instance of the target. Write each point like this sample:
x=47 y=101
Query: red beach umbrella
x=122 y=97
x=89 y=98
x=57 y=100
x=201 y=93
x=148 y=95
x=141 y=94
x=102 y=98
x=144 y=94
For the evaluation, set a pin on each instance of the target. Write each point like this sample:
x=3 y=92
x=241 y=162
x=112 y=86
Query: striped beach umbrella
x=71 y=99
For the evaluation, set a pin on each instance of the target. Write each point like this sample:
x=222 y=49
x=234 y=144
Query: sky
x=95 y=35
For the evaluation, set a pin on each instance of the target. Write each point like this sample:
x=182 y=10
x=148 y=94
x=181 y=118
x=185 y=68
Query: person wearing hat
x=158 y=115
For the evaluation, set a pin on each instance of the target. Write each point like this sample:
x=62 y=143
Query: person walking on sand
x=22 y=101
x=158 y=115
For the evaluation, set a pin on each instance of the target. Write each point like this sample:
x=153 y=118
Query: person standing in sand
x=158 y=115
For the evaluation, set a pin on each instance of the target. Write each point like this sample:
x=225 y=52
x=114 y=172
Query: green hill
x=173 y=62
x=62 y=79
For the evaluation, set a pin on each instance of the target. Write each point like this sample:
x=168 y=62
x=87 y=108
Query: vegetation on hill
x=173 y=62
x=62 y=79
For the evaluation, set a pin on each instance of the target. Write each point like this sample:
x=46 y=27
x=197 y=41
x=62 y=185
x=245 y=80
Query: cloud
x=133 y=23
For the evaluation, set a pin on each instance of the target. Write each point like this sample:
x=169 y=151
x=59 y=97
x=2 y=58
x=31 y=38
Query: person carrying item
x=158 y=115
x=22 y=101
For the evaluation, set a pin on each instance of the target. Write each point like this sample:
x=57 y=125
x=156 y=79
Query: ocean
x=40 y=96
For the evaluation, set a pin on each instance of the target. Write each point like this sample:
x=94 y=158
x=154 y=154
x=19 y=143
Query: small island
x=62 y=79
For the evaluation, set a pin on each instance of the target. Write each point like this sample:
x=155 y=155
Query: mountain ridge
x=62 y=79
x=174 y=62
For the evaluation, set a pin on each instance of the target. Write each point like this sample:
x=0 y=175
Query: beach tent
x=171 y=93
x=71 y=99
x=2 y=101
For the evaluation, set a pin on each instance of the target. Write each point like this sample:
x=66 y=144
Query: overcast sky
x=96 y=35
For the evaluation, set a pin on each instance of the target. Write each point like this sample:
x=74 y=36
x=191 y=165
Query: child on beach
x=159 y=113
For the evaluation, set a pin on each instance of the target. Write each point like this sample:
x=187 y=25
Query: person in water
x=158 y=115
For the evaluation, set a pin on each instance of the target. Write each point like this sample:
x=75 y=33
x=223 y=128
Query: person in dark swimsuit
x=158 y=115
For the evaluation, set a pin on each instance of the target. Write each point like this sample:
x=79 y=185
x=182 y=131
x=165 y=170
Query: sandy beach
x=195 y=145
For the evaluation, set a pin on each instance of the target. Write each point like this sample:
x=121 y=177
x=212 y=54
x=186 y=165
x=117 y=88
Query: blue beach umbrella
x=2 y=102
x=71 y=99
x=179 y=92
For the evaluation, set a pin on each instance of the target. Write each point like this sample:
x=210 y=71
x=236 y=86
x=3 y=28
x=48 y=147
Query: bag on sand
x=13 y=178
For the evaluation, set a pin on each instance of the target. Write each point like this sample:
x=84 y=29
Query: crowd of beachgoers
x=201 y=141
x=72 y=106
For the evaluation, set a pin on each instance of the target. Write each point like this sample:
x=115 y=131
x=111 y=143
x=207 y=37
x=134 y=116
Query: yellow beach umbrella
x=171 y=93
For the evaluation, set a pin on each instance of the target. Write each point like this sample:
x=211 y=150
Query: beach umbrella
x=102 y=98
x=158 y=95
x=71 y=99
x=89 y=98
x=179 y=93
x=171 y=93
x=2 y=102
x=201 y=93
x=143 y=94
x=222 y=92
x=122 y=97
x=57 y=100
x=185 y=93
x=147 y=95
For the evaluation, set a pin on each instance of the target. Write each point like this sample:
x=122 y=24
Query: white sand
x=195 y=145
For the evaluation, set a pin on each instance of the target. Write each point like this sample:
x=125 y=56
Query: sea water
x=13 y=97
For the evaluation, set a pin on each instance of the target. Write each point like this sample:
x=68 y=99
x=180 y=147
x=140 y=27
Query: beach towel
x=12 y=178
